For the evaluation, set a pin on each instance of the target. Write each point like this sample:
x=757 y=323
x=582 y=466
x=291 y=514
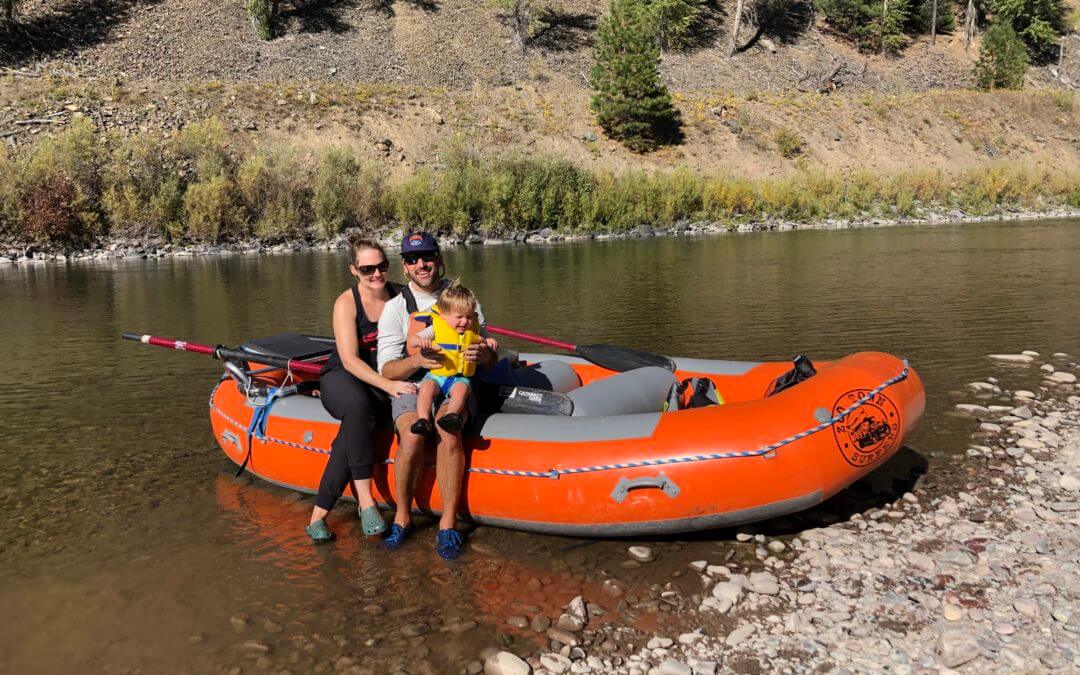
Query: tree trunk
x=933 y=25
x=884 y=18
x=969 y=24
x=1061 y=59
x=735 y=27
x=9 y=11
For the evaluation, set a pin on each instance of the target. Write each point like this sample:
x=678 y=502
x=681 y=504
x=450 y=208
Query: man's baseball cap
x=419 y=242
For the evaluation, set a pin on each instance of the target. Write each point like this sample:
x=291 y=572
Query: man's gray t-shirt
x=394 y=323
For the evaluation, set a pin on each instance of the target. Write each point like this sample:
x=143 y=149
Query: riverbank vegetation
x=83 y=186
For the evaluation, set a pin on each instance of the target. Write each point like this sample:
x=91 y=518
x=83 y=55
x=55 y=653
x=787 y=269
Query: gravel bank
x=983 y=580
x=154 y=247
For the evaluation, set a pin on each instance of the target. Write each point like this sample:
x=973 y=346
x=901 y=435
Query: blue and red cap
x=419 y=242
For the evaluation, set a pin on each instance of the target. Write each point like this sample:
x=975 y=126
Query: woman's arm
x=348 y=346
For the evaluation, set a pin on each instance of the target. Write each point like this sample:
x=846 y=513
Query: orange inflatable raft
x=620 y=465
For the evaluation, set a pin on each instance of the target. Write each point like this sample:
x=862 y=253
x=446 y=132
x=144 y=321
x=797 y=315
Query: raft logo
x=870 y=431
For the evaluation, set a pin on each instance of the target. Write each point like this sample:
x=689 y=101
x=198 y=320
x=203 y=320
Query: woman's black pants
x=353 y=452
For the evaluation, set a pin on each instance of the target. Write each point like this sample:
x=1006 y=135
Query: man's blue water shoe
x=449 y=543
x=395 y=537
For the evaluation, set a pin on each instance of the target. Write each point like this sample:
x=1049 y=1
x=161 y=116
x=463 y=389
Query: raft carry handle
x=625 y=485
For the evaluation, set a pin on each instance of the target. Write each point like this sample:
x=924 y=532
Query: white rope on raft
x=556 y=473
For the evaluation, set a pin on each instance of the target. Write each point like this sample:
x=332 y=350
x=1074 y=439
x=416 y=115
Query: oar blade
x=622 y=359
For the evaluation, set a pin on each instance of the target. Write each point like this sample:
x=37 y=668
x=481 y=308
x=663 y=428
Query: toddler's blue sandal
x=319 y=532
x=371 y=521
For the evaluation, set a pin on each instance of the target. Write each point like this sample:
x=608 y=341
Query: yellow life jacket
x=452 y=344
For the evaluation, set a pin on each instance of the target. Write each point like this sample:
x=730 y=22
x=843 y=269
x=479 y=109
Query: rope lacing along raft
x=766 y=450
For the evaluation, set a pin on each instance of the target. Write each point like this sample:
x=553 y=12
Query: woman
x=351 y=387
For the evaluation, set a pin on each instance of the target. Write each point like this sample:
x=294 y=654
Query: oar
x=225 y=354
x=612 y=357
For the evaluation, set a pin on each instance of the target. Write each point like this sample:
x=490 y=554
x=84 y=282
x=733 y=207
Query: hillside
x=452 y=44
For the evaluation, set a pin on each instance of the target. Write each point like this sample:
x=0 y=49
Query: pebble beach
x=985 y=580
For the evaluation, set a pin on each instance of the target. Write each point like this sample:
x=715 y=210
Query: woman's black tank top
x=367 y=331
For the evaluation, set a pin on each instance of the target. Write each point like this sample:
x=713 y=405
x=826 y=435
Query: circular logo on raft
x=869 y=431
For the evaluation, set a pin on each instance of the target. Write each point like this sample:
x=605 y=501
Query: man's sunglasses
x=368 y=270
x=413 y=258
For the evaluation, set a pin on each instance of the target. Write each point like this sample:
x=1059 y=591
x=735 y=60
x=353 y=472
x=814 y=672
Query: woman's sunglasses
x=368 y=270
x=413 y=258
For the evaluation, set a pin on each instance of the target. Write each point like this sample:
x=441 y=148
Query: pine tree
x=1003 y=59
x=630 y=102
x=264 y=14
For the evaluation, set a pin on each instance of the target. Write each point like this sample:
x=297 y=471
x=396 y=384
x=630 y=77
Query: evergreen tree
x=671 y=20
x=630 y=102
x=264 y=14
x=1003 y=59
x=1036 y=22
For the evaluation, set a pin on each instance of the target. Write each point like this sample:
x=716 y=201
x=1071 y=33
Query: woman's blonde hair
x=358 y=242
x=457 y=298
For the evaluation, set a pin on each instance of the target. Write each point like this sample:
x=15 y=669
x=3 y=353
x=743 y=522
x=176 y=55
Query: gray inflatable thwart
x=636 y=391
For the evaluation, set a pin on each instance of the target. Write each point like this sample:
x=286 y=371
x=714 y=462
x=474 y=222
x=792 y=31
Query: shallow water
x=125 y=544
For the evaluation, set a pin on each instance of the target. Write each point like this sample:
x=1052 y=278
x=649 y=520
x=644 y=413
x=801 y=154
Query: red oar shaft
x=223 y=353
x=528 y=337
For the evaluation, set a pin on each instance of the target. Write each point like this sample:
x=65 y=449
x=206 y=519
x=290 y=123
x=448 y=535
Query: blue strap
x=257 y=428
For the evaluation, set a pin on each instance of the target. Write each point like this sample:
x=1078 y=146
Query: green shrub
x=347 y=193
x=1037 y=22
x=629 y=100
x=1003 y=59
x=867 y=23
x=69 y=167
x=671 y=21
x=201 y=149
x=9 y=195
x=788 y=143
x=144 y=191
x=211 y=210
x=264 y=16
x=274 y=189
x=922 y=13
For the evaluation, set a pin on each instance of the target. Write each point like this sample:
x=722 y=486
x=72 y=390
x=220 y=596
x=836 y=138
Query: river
x=126 y=545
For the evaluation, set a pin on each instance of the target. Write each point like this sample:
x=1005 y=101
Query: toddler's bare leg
x=455 y=401
x=423 y=399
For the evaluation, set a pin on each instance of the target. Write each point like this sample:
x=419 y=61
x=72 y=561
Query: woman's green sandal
x=319 y=532
x=371 y=521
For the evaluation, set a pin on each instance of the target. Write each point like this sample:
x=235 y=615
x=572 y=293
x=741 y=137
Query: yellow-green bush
x=274 y=188
x=144 y=192
x=59 y=187
x=347 y=193
x=212 y=210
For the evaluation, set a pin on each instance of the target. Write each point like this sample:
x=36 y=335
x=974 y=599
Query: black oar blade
x=622 y=359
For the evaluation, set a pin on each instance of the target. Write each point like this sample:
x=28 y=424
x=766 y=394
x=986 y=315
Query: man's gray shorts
x=406 y=403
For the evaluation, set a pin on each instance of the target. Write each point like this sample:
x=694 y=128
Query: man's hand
x=427 y=358
x=480 y=353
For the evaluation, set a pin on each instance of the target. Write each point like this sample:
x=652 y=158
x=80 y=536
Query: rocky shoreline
x=984 y=580
x=156 y=248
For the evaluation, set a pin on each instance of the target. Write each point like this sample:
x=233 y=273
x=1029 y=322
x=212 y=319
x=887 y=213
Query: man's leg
x=408 y=462
x=449 y=472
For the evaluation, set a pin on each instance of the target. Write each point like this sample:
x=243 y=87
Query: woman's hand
x=398 y=388
x=492 y=344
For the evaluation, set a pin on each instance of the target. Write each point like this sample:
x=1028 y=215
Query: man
x=423 y=266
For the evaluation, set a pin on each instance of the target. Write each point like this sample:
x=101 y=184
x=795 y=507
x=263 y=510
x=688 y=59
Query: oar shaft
x=226 y=354
x=528 y=337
